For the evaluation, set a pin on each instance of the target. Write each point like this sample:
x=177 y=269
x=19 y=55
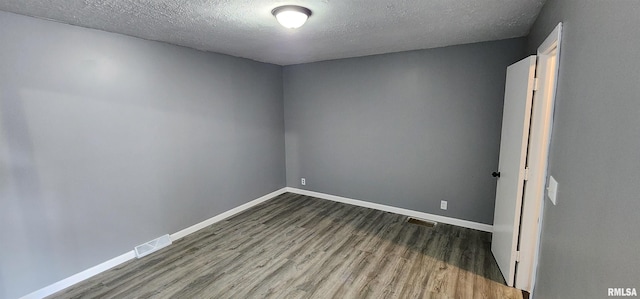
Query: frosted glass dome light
x=291 y=16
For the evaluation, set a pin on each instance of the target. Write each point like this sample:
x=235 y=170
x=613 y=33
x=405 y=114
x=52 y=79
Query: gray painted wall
x=590 y=240
x=406 y=129
x=108 y=141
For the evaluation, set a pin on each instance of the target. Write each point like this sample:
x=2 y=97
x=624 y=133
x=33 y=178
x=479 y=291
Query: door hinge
x=517 y=256
x=536 y=84
x=525 y=173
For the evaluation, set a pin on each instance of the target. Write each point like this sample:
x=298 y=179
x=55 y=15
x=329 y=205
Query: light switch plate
x=552 y=190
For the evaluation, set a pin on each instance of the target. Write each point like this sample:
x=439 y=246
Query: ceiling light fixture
x=291 y=16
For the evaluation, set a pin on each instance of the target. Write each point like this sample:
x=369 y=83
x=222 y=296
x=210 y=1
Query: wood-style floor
x=295 y=246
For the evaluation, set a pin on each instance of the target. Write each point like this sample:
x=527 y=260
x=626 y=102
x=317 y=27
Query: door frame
x=538 y=159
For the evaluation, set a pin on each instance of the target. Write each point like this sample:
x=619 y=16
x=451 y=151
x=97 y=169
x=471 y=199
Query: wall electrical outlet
x=443 y=204
x=303 y=181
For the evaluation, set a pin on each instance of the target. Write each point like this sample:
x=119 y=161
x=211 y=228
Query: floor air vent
x=152 y=246
x=421 y=222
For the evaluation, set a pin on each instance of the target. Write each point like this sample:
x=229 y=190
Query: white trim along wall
x=86 y=274
x=401 y=211
x=95 y=270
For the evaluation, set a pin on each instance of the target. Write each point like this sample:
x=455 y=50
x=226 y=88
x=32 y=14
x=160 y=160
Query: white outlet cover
x=443 y=204
x=303 y=181
x=552 y=190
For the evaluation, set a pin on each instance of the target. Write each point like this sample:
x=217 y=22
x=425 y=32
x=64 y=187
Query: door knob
x=495 y=174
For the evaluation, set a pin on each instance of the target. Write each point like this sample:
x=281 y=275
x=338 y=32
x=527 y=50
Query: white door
x=516 y=118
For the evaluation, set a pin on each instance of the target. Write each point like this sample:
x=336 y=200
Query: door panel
x=516 y=118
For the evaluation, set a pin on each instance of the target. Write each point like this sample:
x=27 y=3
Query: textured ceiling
x=337 y=29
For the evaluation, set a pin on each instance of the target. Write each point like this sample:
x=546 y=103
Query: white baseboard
x=86 y=274
x=227 y=214
x=401 y=211
x=76 y=278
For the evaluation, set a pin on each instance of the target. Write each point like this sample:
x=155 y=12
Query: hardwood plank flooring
x=295 y=246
